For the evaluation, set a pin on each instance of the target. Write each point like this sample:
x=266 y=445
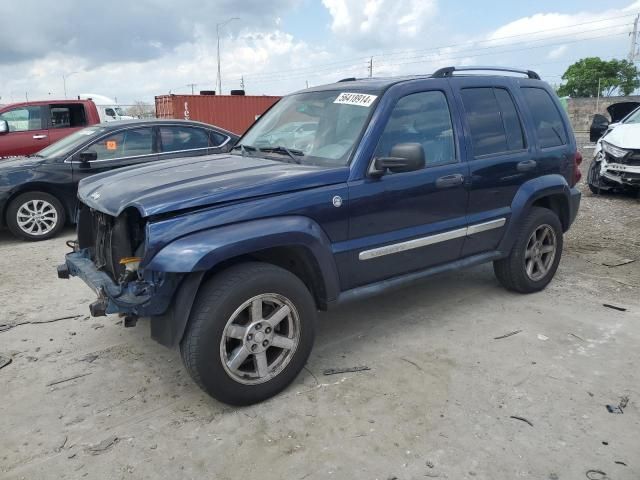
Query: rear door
x=121 y=148
x=499 y=155
x=27 y=133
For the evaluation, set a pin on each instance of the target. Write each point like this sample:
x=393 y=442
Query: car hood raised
x=624 y=135
x=180 y=184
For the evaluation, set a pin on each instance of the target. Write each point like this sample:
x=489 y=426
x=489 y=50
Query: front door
x=403 y=222
x=121 y=148
x=27 y=133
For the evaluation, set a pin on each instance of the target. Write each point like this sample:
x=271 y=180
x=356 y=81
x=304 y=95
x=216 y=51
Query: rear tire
x=535 y=255
x=35 y=216
x=236 y=347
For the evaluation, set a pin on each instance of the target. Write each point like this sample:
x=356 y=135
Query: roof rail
x=348 y=79
x=448 y=71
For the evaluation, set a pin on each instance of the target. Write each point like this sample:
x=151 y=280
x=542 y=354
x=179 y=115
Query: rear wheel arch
x=558 y=203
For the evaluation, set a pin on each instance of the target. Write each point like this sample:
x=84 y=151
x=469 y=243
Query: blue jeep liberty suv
x=382 y=182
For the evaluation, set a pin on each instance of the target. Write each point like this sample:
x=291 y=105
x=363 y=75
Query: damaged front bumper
x=147 y=296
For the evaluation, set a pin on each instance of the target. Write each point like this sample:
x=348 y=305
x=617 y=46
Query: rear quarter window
x=546 y=117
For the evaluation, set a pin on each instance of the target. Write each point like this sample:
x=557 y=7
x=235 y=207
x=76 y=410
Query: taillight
x=577 y=174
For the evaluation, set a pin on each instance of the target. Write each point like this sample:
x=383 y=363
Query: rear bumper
x=574 y=204
x=148 y=296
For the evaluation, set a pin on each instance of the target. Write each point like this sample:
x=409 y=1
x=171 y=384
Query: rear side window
x=176 y=139
x=216 y=139
x=493 y=119
x=67 y=116
x=547 y=119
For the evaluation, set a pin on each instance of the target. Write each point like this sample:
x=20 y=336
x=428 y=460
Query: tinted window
x=217 y=139
x=22 y=119
x=67 y=116
x=175 y=139
x=129 y=143
x=493 y=120
x=422 y=118
x=510 y=119
x=548 y=122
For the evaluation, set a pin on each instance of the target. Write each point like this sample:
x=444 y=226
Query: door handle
x=527 y=165
x=39 y=137
x=450 y=181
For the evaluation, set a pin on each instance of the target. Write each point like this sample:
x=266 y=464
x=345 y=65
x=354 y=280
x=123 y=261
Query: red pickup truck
x=28 y=127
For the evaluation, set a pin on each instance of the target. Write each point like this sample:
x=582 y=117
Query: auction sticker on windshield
x=360 y=99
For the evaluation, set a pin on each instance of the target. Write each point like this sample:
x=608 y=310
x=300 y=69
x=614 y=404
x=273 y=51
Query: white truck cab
x=108 y=109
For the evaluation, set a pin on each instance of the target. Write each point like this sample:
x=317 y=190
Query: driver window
x=23 y=119
x=110 y=112
x=129 y=143
x=422 y=118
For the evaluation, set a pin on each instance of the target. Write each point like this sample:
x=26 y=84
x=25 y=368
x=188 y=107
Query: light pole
x=218 y=25
x=64 y=81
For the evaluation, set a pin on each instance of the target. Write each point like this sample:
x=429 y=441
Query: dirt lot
x=439 y=399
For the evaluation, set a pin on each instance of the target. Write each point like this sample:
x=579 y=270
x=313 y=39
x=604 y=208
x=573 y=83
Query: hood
x=10 y=164
x=624 y=135
x=180 y=184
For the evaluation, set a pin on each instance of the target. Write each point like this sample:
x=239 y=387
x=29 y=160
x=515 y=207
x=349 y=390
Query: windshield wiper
x=282 y=149
x=244 y=148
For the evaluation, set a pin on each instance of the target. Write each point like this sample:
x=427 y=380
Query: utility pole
x=218 y=25
x=307 y=82
x=370 y=67
x=64 y=81
x=193 y=86
x=633 y=50
x=242 y=82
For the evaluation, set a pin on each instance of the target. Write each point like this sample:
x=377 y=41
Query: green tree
x=615 y=76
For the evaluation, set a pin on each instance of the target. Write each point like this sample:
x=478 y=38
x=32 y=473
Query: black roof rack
x=448 y=71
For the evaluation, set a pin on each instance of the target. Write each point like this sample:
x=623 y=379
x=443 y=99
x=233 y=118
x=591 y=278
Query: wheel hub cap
x=540 y=252
x=260 y=339
x=37 y=217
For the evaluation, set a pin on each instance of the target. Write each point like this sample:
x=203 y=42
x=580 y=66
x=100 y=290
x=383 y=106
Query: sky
x=135 y=50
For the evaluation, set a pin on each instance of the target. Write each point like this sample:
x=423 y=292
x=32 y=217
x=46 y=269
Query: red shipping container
x=235 y=113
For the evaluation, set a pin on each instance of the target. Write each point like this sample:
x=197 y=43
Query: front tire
x=250 y=333
x=535 y=255
x=35 y=216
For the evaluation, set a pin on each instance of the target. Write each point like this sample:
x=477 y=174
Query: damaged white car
x=616 y=161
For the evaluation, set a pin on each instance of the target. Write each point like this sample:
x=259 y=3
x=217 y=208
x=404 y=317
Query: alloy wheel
x=37 y=217
x=260 y=339
x=540 y=252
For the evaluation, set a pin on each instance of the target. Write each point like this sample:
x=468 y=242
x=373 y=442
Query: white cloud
x=374 y=23
x=557 y=52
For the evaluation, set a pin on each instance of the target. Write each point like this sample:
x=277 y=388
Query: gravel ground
x=439 y=400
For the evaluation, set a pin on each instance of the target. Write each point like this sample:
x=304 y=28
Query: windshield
x=634 y=117
x=69 y=143
x=319 y=128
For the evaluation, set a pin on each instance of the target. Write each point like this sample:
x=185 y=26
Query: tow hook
x=98 y=308
x=63 y=271
x=130 y=321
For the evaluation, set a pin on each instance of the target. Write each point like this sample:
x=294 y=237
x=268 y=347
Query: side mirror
x=404 y=157
x=599 y=126
x=4 y=126
x=86 y=157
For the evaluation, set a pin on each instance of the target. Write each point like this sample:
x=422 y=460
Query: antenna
x=370 y=67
